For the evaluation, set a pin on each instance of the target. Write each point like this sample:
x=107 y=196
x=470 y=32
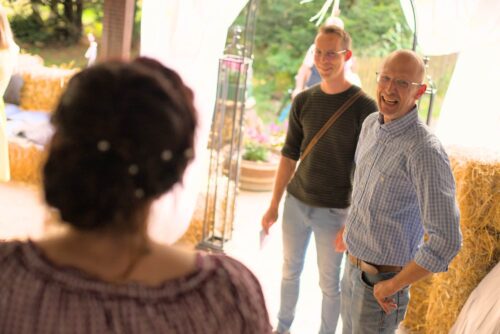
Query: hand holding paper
x=263 y=238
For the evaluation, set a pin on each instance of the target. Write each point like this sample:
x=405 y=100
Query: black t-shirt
x=323 y=179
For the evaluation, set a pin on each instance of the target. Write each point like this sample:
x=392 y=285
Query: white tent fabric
x=481 y=312
x=470 y=114
x=189 y=37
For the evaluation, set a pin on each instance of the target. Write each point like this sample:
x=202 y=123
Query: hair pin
x=189 y=153
x=133 y=169
x=103 y=145
x=166 y=155
x=139 y=193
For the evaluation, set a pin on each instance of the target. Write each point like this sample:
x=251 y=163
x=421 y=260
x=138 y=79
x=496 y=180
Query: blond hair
x=336 y=30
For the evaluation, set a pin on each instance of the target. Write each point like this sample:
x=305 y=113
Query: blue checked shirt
x=403 y=185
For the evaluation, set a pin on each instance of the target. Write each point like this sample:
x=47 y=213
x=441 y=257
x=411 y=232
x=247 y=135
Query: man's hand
x=338 y=243
x=269 y=219
x=383 y=291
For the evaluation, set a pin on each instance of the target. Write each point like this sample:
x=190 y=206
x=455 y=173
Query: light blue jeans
x=361 y=313
x=299 y=221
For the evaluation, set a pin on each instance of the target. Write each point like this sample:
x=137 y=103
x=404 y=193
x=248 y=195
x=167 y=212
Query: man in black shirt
x=318 y=191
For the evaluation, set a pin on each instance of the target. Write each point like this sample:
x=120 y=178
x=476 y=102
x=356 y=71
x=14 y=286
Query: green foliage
x=284 y=33
x=92 y=20
x=255 y=152
x=377 y=27
x=61 y=22
x=29 y=29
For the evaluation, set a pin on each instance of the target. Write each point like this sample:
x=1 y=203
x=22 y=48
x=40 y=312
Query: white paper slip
x=263 y=237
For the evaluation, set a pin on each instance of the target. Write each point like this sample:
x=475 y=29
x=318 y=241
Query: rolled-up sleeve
x=435 y=188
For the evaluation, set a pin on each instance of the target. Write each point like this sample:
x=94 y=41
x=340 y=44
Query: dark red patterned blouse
x=36 y=296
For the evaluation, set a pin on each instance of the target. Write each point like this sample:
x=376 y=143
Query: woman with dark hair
x=123 y=136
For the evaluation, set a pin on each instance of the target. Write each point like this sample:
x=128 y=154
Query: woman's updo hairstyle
x=124 y=134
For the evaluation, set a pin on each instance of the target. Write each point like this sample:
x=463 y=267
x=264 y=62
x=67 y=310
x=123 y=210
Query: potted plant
x=260 y=159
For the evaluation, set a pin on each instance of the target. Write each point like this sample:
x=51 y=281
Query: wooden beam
x=118 y=23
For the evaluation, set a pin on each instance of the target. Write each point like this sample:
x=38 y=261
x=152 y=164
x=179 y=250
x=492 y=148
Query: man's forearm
x=411 y=273
x=286 y=169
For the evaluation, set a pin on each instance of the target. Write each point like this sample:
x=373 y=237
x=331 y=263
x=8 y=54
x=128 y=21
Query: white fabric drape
x=470 y=114
x=188 y=36
x=481 y=312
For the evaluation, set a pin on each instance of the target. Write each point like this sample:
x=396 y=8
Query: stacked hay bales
x=43 y=86
x=195 y=231
x=478 y=195
x=26 y=161
x=416 y=314
x=216 y=206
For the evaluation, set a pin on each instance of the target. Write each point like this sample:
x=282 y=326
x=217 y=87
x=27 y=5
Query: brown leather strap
x=329 y=123
x=372 y=268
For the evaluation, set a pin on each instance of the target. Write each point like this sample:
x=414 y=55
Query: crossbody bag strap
x=329 y=123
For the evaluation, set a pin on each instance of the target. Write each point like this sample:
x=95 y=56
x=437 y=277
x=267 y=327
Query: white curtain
x=481 y=312
x=189 y=37
x=470 y=114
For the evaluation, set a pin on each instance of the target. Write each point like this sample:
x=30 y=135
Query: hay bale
x=416 y=313
x=195 y=231
x=26 y=161
x=450 y=290
x=194 y=234
x=43 y=86
x=478 y=189
x=436 y=302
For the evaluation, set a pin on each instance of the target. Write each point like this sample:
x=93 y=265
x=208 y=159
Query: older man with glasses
x=403 y=187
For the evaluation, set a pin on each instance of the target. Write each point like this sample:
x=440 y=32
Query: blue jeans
x=299 y=221
x=361 y=313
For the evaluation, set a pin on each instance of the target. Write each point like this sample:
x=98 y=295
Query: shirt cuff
x=287 y=153
x=430 y=262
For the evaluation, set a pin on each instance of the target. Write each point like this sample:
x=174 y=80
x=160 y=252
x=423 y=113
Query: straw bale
x=194 y=233
x=450 y=290
x=43 y=86
x=26 y=161
x=416 y=313
x=436 y=303
x=478 y=190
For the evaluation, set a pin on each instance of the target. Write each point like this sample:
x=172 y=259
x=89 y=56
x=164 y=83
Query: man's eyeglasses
x=329 y=55
x=384 y=81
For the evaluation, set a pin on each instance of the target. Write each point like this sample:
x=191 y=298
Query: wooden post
x=118 y=24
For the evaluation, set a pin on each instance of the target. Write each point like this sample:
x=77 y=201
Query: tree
x=65 y=14
x=49 y=21
x=284 y=33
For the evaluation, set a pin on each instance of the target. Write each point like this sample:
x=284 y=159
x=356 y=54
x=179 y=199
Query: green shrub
x=29 y=29
x=255 y=152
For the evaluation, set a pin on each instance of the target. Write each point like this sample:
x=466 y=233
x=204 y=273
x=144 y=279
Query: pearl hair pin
x=103 y=145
